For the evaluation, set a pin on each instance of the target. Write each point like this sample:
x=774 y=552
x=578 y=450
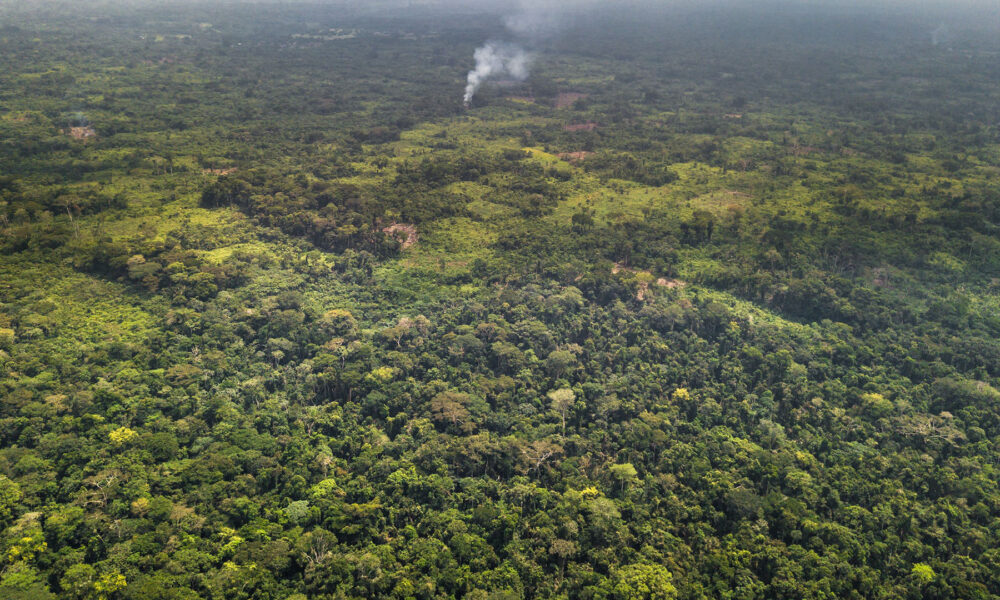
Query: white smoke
x=497 y=59
x=941 y=35
x=533 y=21
x=529 y=24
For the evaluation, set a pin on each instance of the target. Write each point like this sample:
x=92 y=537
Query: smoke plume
x=941 y=35
x=533 y=21
x=496 y=59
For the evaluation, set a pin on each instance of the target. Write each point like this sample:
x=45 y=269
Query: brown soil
x=643 y=290
x=574 y=156
x=567 y=99
x=404 y=232
x=670 y=283
x=82 y=133
x=219 y=171
x=580 y=127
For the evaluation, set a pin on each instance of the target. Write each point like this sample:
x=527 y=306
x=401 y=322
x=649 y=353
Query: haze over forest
x=482 y=300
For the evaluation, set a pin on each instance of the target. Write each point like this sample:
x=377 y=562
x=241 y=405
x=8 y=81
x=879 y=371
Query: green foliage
x=24 y=583
x=290 y=322
x=923 y=573
x=10 y=496
x=643 y=582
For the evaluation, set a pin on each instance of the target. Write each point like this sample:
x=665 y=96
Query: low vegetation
x=280 y=318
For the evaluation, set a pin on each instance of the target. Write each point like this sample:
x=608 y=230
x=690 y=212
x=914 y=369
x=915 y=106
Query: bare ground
x=82 y=133
x=404 y=232
x=574 y=156
x=643 y=290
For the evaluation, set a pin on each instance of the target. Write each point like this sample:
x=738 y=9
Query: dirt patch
x=580 y=127
x=405 y=233
x=670 y=283
x=567 y=99
x=82 y=133
x=643 y=292
x=219 y=171
x=574 y=156
x=733 y=116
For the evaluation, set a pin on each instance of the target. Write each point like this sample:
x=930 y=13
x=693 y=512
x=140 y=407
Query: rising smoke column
x=532 y=22
x=941 y=35
x=496 y=59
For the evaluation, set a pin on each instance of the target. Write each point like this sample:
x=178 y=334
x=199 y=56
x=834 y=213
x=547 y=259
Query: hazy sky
x=507 y=5
x=981 y=13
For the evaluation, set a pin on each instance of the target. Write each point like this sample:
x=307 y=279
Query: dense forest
x=706 y=306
